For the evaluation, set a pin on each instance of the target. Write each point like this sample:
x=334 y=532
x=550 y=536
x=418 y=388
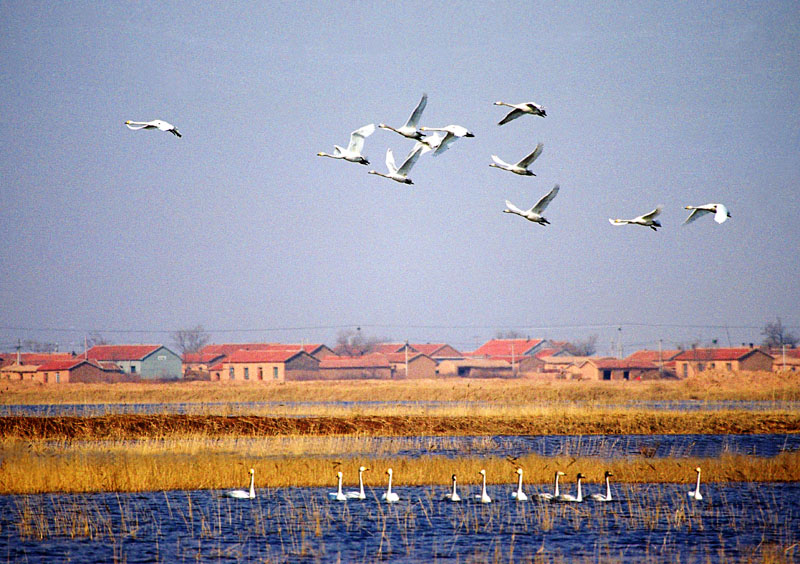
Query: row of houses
x=279 y=362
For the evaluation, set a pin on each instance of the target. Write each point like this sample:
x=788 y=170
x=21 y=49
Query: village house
x=80 y=370
x=373 y=366
x=692 y=362
x=614 y=369
x=266 y=366
x=149 y=362
x=547 y=364
x=23 y=366
x=475 y=368
x=413 y=366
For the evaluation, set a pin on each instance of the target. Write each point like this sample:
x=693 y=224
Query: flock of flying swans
x=441 y=141
x=390 y=496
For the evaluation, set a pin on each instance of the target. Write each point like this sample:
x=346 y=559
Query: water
x=652 y=523
x=301 y=409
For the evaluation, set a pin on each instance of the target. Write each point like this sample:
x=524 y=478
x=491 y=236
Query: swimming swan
x=572 y=498
x=721 y=213
x=521 y=109
x=451 y=133
x=155 y=124
x=244 y=494
x=410 y=130
x=353 y=151
x=521 y=167
x=546 y=496
x=607 y=496
x=695 y=493
x=484 y=497
x=389 y=496
x=360 y=493
x=400 y=174
x=648 y=220
x=453 y=496
x=535 y=213
x=338 y=495
x=519 y=495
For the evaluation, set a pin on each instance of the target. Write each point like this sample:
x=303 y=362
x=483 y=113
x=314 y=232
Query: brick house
x=614 y=369
x=419 y=365
x=692 y=362
x=80 y=370
x=266 y=366
x=149 y=362
x=373 y=366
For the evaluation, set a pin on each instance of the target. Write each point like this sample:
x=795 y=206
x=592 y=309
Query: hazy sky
x=238 y=226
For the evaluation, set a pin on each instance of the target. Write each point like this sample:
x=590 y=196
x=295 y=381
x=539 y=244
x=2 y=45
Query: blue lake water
x=297 y=408
x=649 y=523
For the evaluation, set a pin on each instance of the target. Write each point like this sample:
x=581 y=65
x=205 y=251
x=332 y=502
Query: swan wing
x=524 y=163
x=498 y=161
x=357 y=138
x=546 y=199
x=413 y=119
x=722 y=214
x=513 y=114
x=514 y=209
x=390 y=161
x=444 y=144
x=408 y=164
x=696 y=212
x=136 y=126
x=650 y=215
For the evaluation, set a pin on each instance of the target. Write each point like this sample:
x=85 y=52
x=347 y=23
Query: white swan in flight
x=695 y=493
x=568 y=498
x=648 y=220
x=389 y=496
x=453 y=496
x=535 y=213
x=547 y=496
x=519 y=495
x=353 y=151
x=721 y=213
x=244 y=494
x=451 y=133
x=430 y=143
x=400 y=174
x=338 y=495
x=360 y=493
x=484 y=497
x=521 y=109
x=155 y=124
x=607 y=496
x=410 y=130
x=521 y=167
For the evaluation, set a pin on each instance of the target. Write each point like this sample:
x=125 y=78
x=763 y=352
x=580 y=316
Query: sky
x=238 y=226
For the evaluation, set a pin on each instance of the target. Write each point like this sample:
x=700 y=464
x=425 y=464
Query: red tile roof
x=400 y=357
x=228 y=348
x=36 y=359
x=201 y=358
x=245 y=356
x=374 y=360
x=654 y=356
x=622 y=364
x=121 y=352
x=387 y=348
x=547 y=352
x=721 y=354
x=431 y=349
x=54 y=365
x=506 y=349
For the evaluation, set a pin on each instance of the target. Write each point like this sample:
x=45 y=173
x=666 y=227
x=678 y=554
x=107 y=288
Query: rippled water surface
x=649 y=523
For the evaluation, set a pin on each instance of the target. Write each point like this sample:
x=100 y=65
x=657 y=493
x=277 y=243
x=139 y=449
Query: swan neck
x=252 y=485
x=608 y=489
x=580 y=493
x=519 y=484
x=556 y=489
x=697 y=488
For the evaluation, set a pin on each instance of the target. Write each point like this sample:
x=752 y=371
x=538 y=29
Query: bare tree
x=776 y=335
x=509 y=334
x=190 y=340
x=353 y=342
x=587 y=347
x=39 y=346
x=96 y=339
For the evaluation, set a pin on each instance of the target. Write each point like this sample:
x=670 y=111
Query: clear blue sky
x=238 y=226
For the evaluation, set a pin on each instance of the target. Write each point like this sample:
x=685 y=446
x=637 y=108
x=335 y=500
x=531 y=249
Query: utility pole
x=660 y=358
x=406 y=347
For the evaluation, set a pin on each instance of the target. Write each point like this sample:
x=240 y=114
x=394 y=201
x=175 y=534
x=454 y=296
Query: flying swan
x=244 y=494
x=389 y=496
x=410 y=130
x=648 y=220
x=353 y=151
x=521 y=109
x=453 y=496
x=521 y=167
x=535 y=213
x=547 y=496
x=484 y=497
x=360 y=493
x=451 y=133
x=155 y=124
x=607 y=496
x=721 y=213
x=695 y=493
x=519 y=495
x=400 y=174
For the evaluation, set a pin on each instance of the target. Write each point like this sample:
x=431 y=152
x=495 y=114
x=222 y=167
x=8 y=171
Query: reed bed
x=708 y=386
x=36 y=467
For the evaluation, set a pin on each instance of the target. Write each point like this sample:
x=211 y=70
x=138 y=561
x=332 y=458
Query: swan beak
x=469 y=135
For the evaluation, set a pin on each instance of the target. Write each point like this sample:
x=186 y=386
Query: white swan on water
x=410 y=130
x=453 y=496
x=159 y=124
x=389 y=496
x=547 y=496
x=569 y=498
x=338 y=495
x=519 y=495
x=360 y=493
x=521 y=167
x=607 y=495
x=695 y=493
x=353 y=151
x=244 y=494
x=484 y=497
